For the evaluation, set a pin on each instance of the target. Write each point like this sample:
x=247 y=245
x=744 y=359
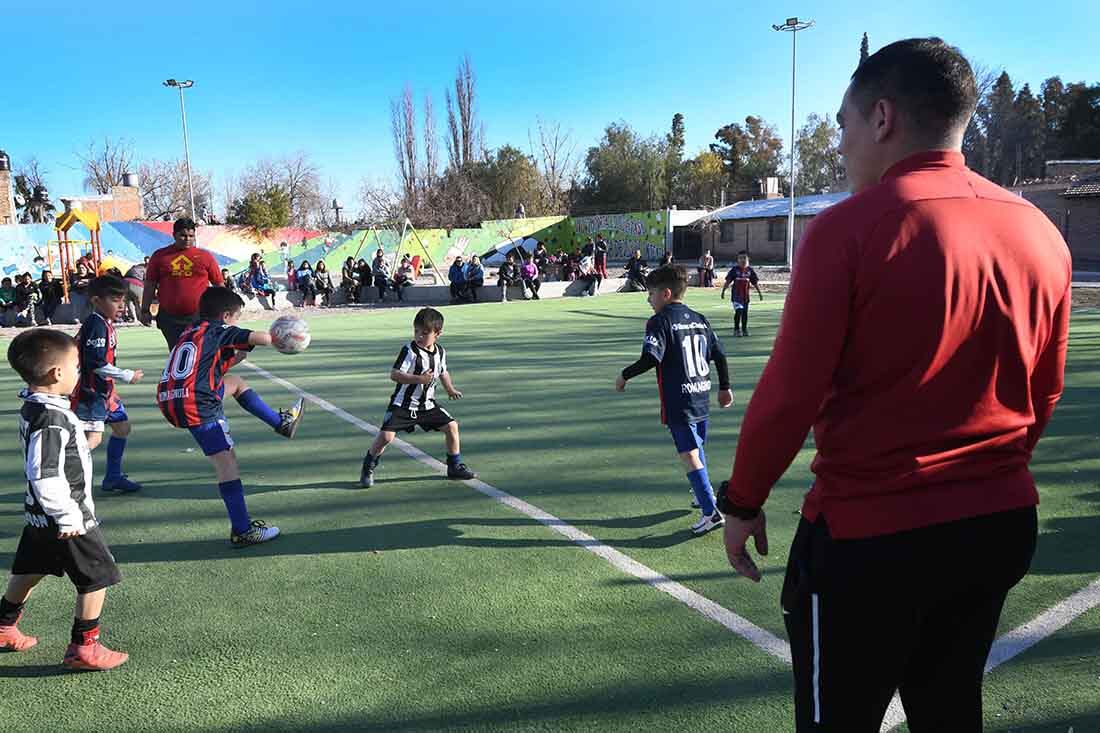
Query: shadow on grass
x=34 y=670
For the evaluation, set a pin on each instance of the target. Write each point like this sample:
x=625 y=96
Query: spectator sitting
x=291 y=276
x=349 y=281
x=78 y=290
x=307 y=283
x=403 y=278
x=364 y=278
x=567 y=266
x=27 y=298
x=666 y=260
x=324 y=283
x=230 y=284
x=7 y=302
x=475 y=277
x=457 y=276
x=52 y=295
x=635 y=272
x=529 y=271
x=507 y=276
x=381 y=277
x=261 y=281
x=589 y=276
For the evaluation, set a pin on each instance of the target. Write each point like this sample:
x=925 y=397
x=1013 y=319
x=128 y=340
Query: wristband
x=728 y=508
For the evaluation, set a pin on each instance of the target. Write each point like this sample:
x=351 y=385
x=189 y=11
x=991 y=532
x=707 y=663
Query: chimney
x=130 y=180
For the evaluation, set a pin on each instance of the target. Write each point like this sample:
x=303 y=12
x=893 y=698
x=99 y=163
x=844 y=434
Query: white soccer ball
x=289 y=335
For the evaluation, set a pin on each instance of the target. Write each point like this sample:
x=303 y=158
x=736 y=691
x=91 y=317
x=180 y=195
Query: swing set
x=67 y=247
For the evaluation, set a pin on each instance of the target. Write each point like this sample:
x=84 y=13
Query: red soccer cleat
x=91 y=656
x=14 y=640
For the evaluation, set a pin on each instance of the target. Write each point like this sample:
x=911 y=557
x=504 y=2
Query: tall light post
x=181 y=85
x=794 y=25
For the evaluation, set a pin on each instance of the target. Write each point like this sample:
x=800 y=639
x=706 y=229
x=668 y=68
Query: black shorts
x=86 y=559
x=398 y=419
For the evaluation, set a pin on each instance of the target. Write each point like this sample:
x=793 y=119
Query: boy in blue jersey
x=95 y=401
x=681 y=344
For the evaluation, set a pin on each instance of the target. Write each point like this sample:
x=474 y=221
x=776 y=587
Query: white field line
x=739 y=625
x=1008 y=646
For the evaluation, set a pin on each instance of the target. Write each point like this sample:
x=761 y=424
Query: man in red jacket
x=177 y=275
x=924 y=341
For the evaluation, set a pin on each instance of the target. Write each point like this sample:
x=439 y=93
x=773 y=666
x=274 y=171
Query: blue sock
x=255 y=404
x=700 y=484
x=115 y=448
x=233 y=495
x=454 y=460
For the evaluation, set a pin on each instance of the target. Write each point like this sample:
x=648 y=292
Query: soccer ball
x=289 y=335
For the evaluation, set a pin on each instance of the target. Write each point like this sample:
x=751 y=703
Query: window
x=727 y=231
x=777 y=230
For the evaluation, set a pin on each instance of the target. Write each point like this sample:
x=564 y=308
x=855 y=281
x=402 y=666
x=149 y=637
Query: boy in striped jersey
x=421 y=363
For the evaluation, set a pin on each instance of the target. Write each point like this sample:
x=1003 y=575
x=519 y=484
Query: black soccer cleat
x=291 y=419
x=366 y=475
x=461 y=472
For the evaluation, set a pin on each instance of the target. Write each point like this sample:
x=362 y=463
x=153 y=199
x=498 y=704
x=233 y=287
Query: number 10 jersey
x=190 y=390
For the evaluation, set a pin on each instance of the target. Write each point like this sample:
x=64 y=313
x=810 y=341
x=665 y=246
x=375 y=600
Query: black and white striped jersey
x=58 y=465
x=415 y=360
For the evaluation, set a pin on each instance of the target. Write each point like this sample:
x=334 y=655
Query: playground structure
x=88 y=248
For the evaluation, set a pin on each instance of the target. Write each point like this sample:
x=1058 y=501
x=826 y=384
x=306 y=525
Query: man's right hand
x=145 y=318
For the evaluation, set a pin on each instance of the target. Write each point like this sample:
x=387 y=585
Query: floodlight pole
x=181 y=85
x=794 y=25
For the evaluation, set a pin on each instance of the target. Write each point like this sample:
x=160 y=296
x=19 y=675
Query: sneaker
x=366 y=475
x=744 y=332
x=91 y=656
x=119 y=484
x=736 y=333
x=706 y=524
x=14 y=640
x=461 y=472
x=291 y=418
x=257 y=533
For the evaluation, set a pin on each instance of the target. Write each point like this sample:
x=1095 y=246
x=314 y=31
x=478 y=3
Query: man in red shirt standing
x=924 y=341
x=176 y=276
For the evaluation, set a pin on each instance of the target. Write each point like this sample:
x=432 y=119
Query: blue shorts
x=94 y=414
x=689 y=436
x=213 y=437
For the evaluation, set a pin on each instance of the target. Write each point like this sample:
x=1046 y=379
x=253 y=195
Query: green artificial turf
x=423 y=605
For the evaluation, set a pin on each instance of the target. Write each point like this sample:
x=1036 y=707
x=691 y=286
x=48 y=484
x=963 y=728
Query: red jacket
x=181 y=277
x=924 y=340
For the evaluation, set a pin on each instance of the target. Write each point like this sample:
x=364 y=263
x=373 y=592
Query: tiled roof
x=1088 y=186
x=768 y=208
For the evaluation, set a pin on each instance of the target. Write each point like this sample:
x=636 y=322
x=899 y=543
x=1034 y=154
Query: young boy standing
x=61 y=535
x=192 y=389
x=420 y=364
x=681 y=344
x=741 y=276
x=95 y=400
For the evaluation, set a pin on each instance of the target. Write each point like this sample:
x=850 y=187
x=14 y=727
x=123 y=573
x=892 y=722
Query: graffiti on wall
x=625 y=233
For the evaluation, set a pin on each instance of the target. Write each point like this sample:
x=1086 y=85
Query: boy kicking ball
x=192 y=389
x=420 y=364
x=61 y=535
x=681 y=344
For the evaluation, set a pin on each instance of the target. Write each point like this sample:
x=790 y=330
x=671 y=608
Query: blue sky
x=276 y=77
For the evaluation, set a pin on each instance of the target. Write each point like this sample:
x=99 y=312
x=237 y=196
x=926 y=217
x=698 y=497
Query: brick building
x=123 y=203
x=1070 y=197
x=7 y=191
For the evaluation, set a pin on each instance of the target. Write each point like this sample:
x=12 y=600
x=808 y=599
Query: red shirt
x=924 y=340
x=181 y=275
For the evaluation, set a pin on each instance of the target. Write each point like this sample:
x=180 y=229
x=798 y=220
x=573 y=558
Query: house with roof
x=760 y=227
x=1070 y=197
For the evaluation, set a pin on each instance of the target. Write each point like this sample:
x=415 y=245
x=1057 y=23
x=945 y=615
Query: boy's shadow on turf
x=205 y=489
x=34 y=670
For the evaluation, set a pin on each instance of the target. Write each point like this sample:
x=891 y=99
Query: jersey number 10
x=695 y=356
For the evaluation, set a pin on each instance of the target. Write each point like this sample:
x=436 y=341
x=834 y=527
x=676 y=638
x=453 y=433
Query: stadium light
x=181 y=85
x=793 y=25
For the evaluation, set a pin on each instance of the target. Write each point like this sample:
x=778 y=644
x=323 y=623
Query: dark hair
x=35 y=352
x=673 y=277
x=743 y=252
x=429 y=318
x=183 y=224
x=217 y=300
x=107 y=286
x=929 y=81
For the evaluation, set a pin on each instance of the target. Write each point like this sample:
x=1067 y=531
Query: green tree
x=1052 y=96
x=750 y=153
x=704 y=178
x=1000 y=127
x=819 y=166
x=674 y=162
x=625 y=172
x=1079 y=133
x=509 y=177
x=261 y=211
x=1027 y=135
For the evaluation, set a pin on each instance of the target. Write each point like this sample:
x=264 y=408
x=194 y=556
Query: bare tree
x=164 y=191
x=296 y=175
x=467 y=134
x=403 y=127
x=32 y=172
x=103 y=165
x=378 y=203
x=431 y=147
x=556 y=154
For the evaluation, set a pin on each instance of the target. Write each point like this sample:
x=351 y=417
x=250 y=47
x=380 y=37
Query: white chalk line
x=1004 y=649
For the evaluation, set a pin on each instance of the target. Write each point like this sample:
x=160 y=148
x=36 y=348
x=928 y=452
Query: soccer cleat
x=91 y=656
x=366 y=475
x=258 y=532
x=461 y=472
x=291 y=418
x=706 y=524
x=14 y=640
x=744 y=332
x=119 y=484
